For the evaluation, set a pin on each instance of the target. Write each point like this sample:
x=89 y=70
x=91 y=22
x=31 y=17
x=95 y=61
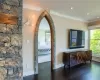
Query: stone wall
x=11 y=42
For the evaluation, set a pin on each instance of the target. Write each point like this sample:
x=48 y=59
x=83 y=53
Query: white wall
x=61 y=26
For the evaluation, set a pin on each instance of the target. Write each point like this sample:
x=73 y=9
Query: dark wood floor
x=81 y=72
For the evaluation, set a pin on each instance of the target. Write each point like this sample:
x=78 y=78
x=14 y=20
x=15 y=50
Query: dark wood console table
x=77 y=57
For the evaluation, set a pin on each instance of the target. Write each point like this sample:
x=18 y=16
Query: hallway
x=82 y=72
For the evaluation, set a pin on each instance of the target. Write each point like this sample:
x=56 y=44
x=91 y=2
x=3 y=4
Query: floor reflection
x=44 y=71
x=89 y=71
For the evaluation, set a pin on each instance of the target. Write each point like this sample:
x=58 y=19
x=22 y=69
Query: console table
x=77 y=57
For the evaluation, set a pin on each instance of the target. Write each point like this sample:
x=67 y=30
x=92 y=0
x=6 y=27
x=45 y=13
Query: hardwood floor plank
x=89 y=71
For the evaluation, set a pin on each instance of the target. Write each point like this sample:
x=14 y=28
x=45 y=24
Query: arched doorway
x=52 y=30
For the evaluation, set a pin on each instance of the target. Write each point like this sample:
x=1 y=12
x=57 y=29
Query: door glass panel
x=95 y=41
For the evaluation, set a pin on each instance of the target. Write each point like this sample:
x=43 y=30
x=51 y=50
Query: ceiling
x=85 y=10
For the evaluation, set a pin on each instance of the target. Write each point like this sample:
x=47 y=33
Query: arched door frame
x=52 y=30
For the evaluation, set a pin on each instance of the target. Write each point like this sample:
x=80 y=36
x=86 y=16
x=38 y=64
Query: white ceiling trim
x=93 y=20
x=65 y=16
x=94 y=27
x=37 y=8
x=32 y=7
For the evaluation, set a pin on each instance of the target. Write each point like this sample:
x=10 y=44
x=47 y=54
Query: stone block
x=10 y=71
x=10 y=62
x=2 y=28
x=14 y=11
x=10 y=50
x=1 y=59
x=16 y=40
x=12 y=2
x=1 y=7
x=7 y=44
x=2 y=50
x=1 y=1
x=6 y=7
x=2 y=63
x=2 y=44
x=12 y=28
x=3 y=73
x=4 y=40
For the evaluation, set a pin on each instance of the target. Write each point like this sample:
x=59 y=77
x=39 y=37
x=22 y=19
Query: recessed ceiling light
x=71 y=8
x=98 y=17
x=88 y=13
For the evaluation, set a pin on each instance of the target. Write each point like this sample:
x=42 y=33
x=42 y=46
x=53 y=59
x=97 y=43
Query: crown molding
x=94 y=20
x=32 y=7
x=93 y=23
x=65 y=16
x=37 y=8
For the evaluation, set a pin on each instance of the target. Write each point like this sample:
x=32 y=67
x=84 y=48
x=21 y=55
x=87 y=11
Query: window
x=95 y=41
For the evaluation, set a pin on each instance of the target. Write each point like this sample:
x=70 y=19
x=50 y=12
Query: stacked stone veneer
x=11 y=42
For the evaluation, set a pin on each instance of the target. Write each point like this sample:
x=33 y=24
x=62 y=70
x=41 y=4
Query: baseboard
x=28 y=73
x=59 y=66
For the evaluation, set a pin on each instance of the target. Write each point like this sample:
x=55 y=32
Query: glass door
x=95 y=42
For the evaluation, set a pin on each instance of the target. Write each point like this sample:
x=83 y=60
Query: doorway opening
x=51 y=34
x=95 y=42
x=44 y=42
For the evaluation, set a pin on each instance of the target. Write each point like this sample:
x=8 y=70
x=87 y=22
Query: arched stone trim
x=52 y=30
